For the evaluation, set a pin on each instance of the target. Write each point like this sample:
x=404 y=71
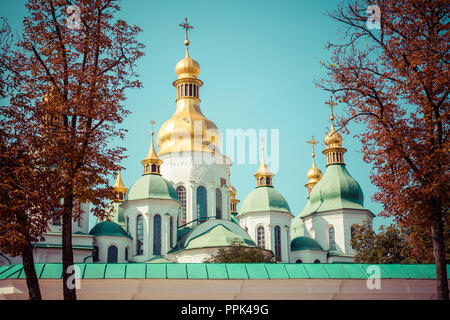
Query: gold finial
x=314 y=174
x=186 y=26
x=331 y=103
x=153 y=131
x=263 y=175
x=152 y=162
x=313 y=142
x=119 y=187
x=333 y=140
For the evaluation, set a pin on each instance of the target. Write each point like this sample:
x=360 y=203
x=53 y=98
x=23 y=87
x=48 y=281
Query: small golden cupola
x=314 y=174
x=234 y=202
x=151 y=162
x=333 y=140
x=119 y=187
x=263 y=175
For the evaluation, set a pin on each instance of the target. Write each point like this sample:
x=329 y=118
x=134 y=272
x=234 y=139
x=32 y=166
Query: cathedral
x=183 y=208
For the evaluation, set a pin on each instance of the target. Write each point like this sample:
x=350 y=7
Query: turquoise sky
x=258 y=62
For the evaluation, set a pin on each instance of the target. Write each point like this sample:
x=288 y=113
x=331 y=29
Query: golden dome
x=263 y=175
x=118 y=185
x=187 y=67
x=188 y=130
x=233 y=191
x=314 y=174
x=333 y=138
x=334 y=150
x=152 y=162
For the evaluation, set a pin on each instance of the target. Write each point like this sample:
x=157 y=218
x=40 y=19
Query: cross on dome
x=313 y=142
x=186 y=26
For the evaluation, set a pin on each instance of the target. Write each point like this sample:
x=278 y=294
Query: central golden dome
x=188 y=129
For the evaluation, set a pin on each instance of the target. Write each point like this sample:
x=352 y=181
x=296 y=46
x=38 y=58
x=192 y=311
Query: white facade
x=149 y=208
x=194 y=169
x=269 y=220
x=317 y=226
x=123 y=245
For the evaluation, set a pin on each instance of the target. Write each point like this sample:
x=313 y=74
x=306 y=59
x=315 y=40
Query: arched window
x=128 y=224
x=299 y=261
x=218 y=204
x=126 y=254
x=352 y=234
x=171 y=231
x=157 y=235
x=261 y=181
x=331 y=242
x=181 y=192
x=153 y=167
x=185 y=90
x=201 y=204
x=277 y=232
x=140 y=235
x=95 y=257
x=190 y=89
x=268 y=181
x=112 y=254
x=317 y=261
x=260 y=237
x=195 y=90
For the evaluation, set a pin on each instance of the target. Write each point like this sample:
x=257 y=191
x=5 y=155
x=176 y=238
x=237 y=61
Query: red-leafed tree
x=391 y=72
x=77 y=59
x=25 y=210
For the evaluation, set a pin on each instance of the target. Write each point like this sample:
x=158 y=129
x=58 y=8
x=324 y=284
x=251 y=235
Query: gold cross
x=152 y=123
x=331 y=103
x=313 y=142
x=186 y=26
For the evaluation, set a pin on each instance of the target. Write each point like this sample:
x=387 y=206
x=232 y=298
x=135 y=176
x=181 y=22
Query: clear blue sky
x=258 y=62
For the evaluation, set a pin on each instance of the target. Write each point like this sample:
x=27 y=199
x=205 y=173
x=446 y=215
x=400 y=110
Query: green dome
x=151 y=186
x=336 y=190
x=108 y=228
x=214 y=233
x=305 y=243
x=265 y=198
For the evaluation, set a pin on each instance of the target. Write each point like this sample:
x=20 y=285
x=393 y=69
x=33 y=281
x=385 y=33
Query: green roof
x=214 y=233
x=305 y=243
x=264 y=198
x=58 y=246
x=151 y=186
x=336 y=190
x=226 y=271
x=109 y=228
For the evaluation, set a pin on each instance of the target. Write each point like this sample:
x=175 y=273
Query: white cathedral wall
x=309 y=256
x=195 y=169
x=317 y=227
x=104 y=242
x=269 y=219
x=149 y=208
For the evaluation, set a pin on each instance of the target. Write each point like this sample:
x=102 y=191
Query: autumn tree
x=389 y=245
x=390 y=73
x=24 y=210
x=238 y=253
x=77 y=59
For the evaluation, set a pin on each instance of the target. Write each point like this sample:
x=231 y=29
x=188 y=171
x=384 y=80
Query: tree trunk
x=69 y=289
x=30 y=273
x=437 y=236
